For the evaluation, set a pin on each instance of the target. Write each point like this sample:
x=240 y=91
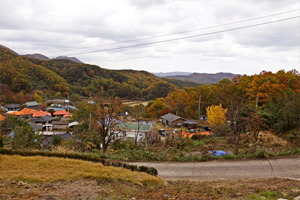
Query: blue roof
x=3 y=108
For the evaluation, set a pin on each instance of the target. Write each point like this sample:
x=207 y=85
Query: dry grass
x=62 y=149
x=45 y=169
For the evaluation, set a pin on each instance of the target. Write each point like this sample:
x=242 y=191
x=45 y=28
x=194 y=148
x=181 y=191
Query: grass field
x=56 y=178
x=45 y=169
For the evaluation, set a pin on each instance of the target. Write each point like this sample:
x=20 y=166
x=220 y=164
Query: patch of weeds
x=276 y=145
x=253 y=197
x=15 y=192
x=263 y=154
x=228 y=157
x=206 y=157
x=269 y=195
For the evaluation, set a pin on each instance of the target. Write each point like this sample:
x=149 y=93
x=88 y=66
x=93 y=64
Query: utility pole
x=257 y=100
x=68 y=103
x=199 y=106
x=90 y=120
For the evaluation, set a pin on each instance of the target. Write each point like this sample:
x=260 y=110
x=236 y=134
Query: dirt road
x=228 y=170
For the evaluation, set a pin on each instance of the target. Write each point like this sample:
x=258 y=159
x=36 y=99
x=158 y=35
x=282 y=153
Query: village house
x=13 y=107
x=134 y=130
x=32 y=105
x=173 y=121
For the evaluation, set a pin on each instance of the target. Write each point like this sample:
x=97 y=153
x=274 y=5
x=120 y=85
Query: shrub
x=263 y=154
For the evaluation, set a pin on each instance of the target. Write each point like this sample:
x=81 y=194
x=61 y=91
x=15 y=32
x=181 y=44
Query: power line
x=188 y=31
x=186 y=37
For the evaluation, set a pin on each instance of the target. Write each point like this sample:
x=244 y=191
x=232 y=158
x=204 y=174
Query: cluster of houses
x=44 y=122
x=49 y=124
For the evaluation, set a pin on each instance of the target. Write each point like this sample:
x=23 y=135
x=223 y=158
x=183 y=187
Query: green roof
x=134 y=126
x=32 y=103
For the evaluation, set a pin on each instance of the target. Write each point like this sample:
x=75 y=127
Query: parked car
x=192 y=131
x=207 y=128
x=162 y=132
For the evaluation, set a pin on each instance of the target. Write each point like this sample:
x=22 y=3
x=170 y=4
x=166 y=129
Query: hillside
x=4 y=47
x=203 y=78
x=31 y=72
x=21 y=75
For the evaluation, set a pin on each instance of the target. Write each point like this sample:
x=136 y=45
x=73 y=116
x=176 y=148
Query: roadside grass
x=50 y=169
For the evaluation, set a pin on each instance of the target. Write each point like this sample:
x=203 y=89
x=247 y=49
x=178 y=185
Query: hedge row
x=149 y=170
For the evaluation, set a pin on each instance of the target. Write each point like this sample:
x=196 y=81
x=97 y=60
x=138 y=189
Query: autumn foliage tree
x=105 y=117
x=216 y=115
x=254 y=124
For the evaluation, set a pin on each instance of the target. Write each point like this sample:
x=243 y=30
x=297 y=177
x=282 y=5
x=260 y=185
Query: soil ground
x=273 y=188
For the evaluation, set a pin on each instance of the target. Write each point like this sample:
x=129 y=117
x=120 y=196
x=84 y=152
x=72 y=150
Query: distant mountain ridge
x=42 y=57
x=37 y=56
x=69 y=58
x=204 y=78
x=165 y=74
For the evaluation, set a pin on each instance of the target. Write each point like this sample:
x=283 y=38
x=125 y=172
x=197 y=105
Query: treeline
x=275 y=97
x=61 y=77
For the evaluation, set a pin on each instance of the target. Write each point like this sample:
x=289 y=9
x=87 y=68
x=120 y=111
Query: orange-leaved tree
x=105 y=117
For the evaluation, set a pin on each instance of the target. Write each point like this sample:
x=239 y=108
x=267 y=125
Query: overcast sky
x=61 y=27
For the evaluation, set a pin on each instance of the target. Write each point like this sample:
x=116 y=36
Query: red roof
x=40 y=114
x=61 y=112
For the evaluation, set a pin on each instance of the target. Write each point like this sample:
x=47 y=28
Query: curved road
x=227 y=170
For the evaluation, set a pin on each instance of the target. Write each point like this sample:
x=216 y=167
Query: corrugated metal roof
x=170 y=117
x=134 y=126
x=32 y=103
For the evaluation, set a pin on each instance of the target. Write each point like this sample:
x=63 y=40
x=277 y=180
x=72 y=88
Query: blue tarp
x=218 y=153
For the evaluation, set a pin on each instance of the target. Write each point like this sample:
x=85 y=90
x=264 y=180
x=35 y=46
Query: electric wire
x=176 y=33
x=186 y=37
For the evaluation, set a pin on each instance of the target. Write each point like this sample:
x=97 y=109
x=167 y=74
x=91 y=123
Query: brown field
x=55 y=178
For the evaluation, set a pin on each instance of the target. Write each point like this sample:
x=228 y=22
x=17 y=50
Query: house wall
x=60 y=126
x=132 y=134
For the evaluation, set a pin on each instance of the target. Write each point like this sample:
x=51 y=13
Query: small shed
x=190 y=124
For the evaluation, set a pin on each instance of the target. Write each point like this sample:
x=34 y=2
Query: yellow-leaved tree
x=216 y=115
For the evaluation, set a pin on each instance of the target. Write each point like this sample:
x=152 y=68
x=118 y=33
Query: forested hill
x=25 y=74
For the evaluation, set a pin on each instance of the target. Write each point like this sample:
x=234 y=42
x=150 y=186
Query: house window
x=179 y=124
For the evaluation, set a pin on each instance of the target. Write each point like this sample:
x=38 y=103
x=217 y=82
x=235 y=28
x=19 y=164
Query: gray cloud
x=50 y=26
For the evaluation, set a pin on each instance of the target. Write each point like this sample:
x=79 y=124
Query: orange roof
x=25 y=111
x=40 y=114
x=2 y=117
x=67 y=115
x=61 y=112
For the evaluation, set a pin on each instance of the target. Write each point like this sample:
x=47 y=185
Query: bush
x=56 y=140
x=1 y=141
x=263 y=154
